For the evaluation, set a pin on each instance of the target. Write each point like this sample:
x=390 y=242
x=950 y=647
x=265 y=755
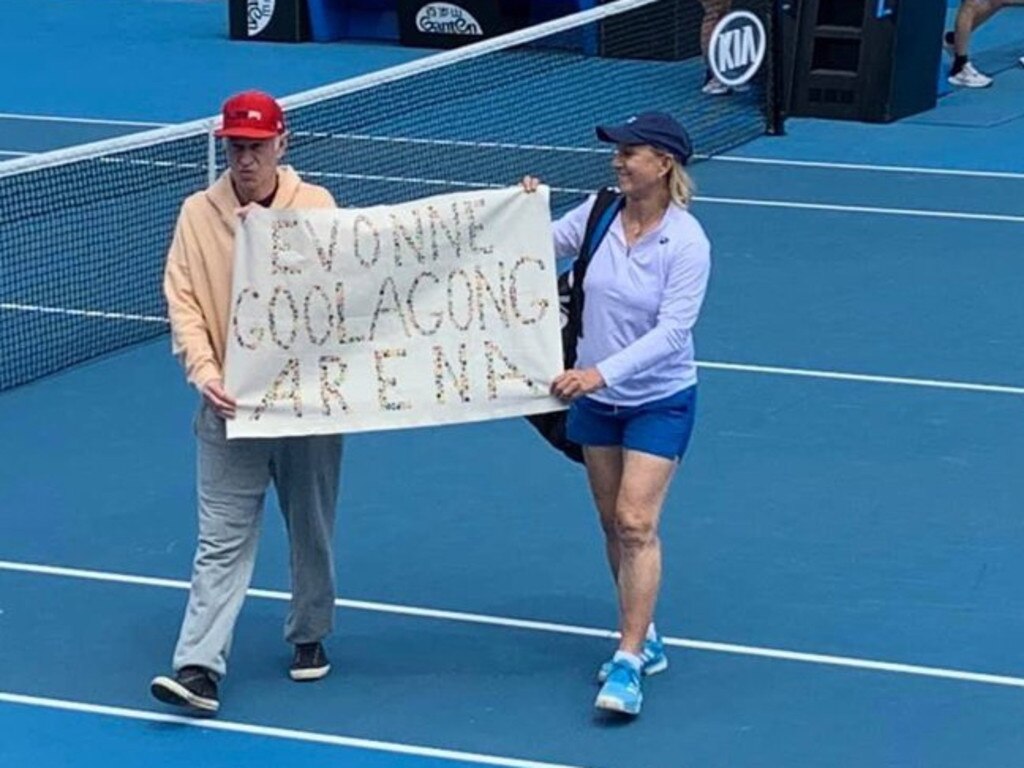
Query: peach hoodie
x=197 y=279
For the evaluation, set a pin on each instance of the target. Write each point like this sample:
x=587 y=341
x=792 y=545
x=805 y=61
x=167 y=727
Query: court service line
x=98 y=314
x=79 y=120
x=810 y=373
x=544 y=626
x=881 y=168
x=516 y=146
x=755 y=202
x=275 y=732
x=864 y=167
x=917 y=212
x=462 y=143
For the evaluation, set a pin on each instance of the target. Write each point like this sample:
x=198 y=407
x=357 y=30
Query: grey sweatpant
x=232 y=480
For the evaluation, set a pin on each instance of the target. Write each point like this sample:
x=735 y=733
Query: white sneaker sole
x=961 y=84
x=306 y=675
x=609 y=704
x=170 y=691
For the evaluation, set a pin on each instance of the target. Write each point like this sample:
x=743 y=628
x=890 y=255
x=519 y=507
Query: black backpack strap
x=570 y=292
x=606 y=207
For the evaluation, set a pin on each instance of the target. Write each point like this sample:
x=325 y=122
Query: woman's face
x=640 y=169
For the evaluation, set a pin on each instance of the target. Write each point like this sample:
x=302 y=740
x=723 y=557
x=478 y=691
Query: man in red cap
x=232 y=476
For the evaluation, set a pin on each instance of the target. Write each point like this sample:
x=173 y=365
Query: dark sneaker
x=194 y=688
x=310 y=662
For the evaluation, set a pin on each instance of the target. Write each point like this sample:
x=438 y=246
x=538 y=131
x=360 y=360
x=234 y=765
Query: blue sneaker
x=653 y=656
x=621 y=691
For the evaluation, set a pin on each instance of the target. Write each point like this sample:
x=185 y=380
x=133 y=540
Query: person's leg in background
x=714 y=11
x=971 y=15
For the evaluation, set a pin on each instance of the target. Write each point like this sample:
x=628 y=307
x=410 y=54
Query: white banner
x=437 y=311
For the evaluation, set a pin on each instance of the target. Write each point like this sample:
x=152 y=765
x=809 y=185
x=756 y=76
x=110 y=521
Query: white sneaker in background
x=1021 y=60
x=715 y=87
x=969 y=77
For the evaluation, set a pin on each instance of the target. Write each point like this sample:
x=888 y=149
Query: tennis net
x=84 y=231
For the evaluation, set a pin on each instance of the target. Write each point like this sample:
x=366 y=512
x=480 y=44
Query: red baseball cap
x=251 y=115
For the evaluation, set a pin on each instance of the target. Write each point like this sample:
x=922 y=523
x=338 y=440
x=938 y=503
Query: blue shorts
x=660 y=427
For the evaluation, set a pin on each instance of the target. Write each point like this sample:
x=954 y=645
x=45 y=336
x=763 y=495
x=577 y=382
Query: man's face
x=253 y=165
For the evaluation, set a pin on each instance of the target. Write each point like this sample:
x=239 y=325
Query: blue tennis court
x=842 y=548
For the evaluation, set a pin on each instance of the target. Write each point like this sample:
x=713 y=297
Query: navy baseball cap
x=657 y=129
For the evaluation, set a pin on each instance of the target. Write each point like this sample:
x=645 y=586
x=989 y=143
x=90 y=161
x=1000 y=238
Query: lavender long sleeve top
x=642 y=302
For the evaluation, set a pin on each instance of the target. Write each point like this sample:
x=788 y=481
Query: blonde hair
x=680 y=185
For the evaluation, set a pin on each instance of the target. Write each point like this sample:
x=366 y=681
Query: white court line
x=924 y=170
x=810 y=373
x=368 y=137
x=864 y=167
x=82 y=313
x=757 y=203
x=543 y=626
x=305 y=173
x=716 y=158
x=962 y=386
x=276 y=733
x=10 y=153
x=79 y=120
x=917 y=212
x=920 y=212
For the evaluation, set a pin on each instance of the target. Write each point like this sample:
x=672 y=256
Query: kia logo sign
x=737 y=47
x=258 y=15
x=447 y=19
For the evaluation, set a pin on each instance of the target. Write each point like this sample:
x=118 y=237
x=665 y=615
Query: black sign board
x=449 y=23
x=281 y=21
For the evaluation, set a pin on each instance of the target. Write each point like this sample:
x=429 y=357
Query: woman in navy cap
x=633 y=389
